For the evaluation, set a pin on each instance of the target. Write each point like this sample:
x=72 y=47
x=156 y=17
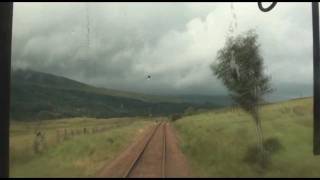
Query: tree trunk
x=259 y=131
x=260 y=135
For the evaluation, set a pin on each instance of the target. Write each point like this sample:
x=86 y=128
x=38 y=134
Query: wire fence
x=41 y=140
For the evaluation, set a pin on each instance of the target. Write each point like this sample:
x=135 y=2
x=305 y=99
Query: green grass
x=216 y=142
x=80 y=156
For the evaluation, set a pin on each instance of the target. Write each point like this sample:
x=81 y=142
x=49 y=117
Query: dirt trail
x=176 y=162
x=159 y=157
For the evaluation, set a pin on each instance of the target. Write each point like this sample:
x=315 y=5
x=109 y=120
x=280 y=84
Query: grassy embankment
x=216 y=142
x=79 y=156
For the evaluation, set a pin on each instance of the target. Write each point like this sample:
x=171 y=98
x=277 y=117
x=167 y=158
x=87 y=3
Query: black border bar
x=6 y=13
x=316 y=79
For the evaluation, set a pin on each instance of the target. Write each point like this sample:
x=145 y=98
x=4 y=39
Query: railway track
x=153 y=153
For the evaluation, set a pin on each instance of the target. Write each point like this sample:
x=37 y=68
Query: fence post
x=65 y=134
x=58 y=136
x=39 y=142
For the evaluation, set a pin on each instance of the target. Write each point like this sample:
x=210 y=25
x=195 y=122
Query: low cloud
x=117 y=45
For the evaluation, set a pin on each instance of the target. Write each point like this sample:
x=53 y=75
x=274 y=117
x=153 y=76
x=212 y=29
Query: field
x=217 y=142
x=81 y=155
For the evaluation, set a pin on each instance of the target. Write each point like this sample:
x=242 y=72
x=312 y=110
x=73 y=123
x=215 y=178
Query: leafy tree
x=240 y=67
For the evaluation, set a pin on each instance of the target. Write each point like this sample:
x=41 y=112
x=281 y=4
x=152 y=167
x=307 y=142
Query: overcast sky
x=117 y=45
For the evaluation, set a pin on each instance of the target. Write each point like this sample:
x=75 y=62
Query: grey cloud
x=173 y=42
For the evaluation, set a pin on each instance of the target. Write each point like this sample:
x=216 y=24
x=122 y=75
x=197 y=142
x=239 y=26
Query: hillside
x=37 y=95
x=218 y=100
x=79 y=155
x=219 y=143
x=29 y=77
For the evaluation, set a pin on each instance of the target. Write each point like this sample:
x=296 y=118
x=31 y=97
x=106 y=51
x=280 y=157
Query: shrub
x=254 y=156
x=175 y=117
x=272 y=145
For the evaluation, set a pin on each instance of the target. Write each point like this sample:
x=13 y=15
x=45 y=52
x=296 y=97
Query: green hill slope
x=29 y=77
x=217 y=142
x=36 y=95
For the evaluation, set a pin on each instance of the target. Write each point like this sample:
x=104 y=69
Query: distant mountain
x=216 y=100
x=29 y=77
x=37 y=95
